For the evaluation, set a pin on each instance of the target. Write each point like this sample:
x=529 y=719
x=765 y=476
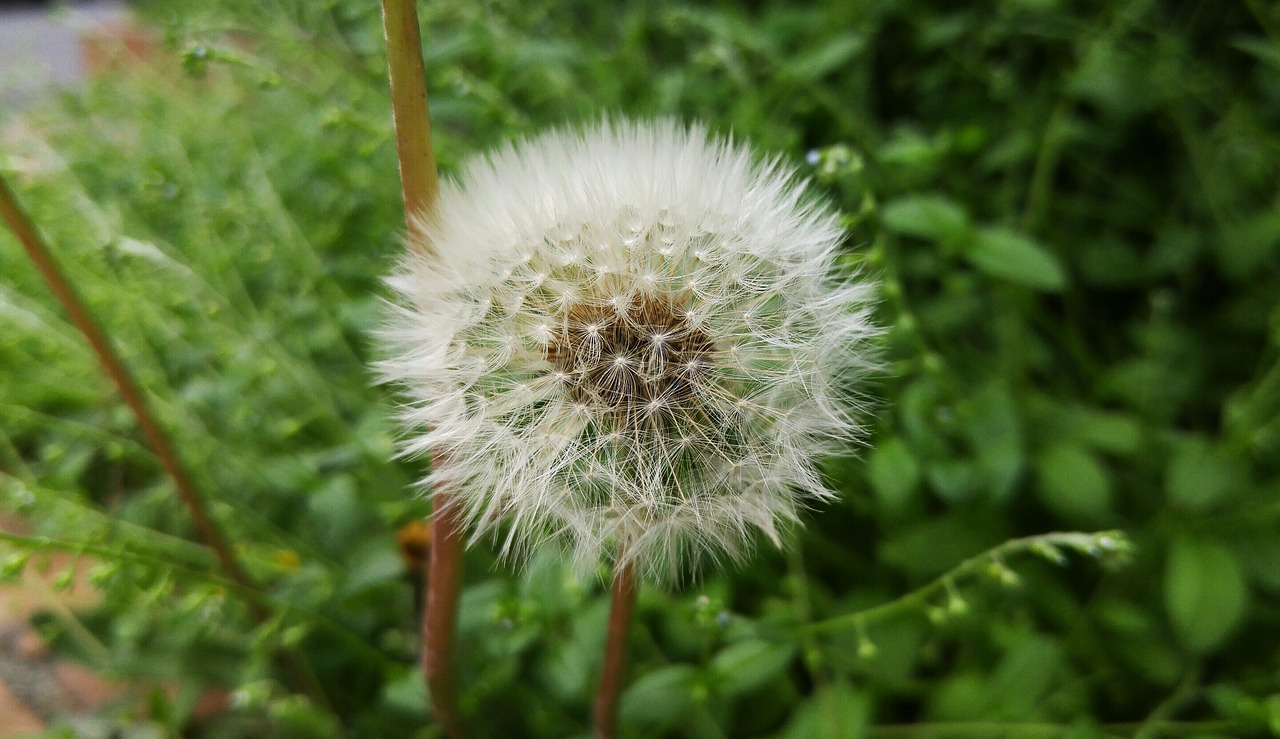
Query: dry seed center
x=640 y=357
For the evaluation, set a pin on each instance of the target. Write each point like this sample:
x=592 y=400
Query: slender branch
x=444 y=578
x=615 y=650
x=418 y=179
x=207 y=528
x=1101 y=544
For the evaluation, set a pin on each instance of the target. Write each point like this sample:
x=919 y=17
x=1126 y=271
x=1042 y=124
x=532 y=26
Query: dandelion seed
x=684 y=373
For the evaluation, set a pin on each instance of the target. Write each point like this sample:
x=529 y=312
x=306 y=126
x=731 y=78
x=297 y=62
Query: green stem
x=992 y=560
x=418 y=179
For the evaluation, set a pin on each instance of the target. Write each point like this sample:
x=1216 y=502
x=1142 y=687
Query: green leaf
x=1259 y=555
x=1249 y=244
x=1024 y=676
x=1008 y=255
x=1205 y=593
x=659 y=699
x=825 y=57
x=1073 y=483
x=373 y=563
x=934 y=217
x=932 y=546
x=406 y=691
x=1199 y=476
x=894 y=474
x=837 y=712
x=1106 y=431
x=953 y=480
x=1259 y=48
x=994 y=431
x=746 y=666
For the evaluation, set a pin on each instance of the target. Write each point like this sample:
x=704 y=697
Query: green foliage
x=1073 y=210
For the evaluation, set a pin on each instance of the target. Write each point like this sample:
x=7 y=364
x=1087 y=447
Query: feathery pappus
x=629 y=338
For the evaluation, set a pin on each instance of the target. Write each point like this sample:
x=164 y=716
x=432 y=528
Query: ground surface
x=34 y=687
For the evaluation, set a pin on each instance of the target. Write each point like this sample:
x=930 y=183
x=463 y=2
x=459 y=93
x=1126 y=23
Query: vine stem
x=207 y=527
x=1103 y=543
x=420 y=188
x=615 y=650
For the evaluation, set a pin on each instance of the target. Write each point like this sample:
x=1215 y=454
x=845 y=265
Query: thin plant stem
x=419 y=184
x=418 y=179
x=444 y=579
x=207 y=527
x=615 y=650
x=1049 y=546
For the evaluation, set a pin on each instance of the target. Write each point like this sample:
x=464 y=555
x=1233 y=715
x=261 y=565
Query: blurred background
x=44 y=45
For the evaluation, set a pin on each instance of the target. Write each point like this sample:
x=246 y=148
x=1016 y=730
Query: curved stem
x=615 y=650
x=1101 y=544
x=444 y=577
x=206 y=527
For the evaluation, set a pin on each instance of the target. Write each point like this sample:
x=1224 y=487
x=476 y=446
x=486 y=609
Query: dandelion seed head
x=629 y=339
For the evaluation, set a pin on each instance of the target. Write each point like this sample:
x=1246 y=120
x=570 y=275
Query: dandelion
x=629 y=339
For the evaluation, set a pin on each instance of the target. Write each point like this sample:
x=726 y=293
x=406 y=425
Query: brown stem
x=206 y=527
x=444 y=578
x=418 y=179
x=615 y=651
x=39 y=253
x=420 y=187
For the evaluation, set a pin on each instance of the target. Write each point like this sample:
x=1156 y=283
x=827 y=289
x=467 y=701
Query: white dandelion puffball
x=628 y=338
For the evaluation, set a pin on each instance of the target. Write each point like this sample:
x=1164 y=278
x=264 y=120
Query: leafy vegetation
x=1073 y=210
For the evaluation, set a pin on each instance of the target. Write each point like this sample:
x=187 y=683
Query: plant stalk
x=1100 y=544
x=206 y=527
x=419 y=182
x=444 y=580
x=615 y=650
x=420 y=187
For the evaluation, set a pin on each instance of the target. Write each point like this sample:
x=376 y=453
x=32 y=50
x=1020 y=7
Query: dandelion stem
x=420 y=187
x=615 y=650
x=418 y=180
x=444 y=576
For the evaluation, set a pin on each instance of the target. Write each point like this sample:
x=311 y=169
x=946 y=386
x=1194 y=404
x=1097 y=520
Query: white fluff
x=628 y=338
